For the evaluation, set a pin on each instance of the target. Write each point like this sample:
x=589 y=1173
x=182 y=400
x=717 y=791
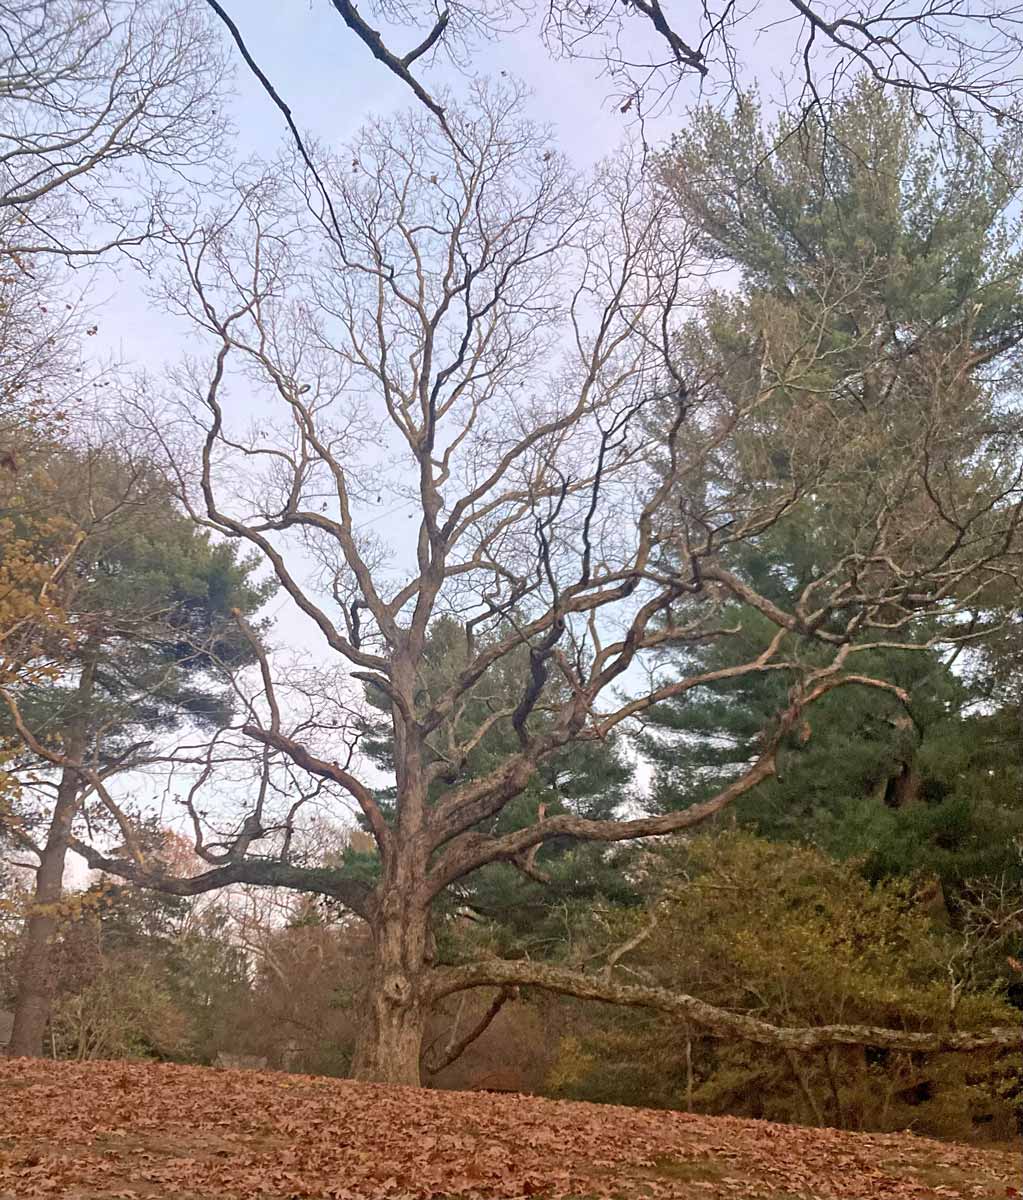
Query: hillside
x=125 y=1130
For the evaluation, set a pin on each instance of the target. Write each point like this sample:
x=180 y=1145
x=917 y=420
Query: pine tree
x=149 y=599
x=909 y=246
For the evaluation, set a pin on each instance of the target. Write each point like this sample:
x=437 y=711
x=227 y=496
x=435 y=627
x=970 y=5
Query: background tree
x=145 y=984
x=105 y=107
x=909 y=246
x=150 y=600
x=144 y=975
x=307 y=962
x=788 y=934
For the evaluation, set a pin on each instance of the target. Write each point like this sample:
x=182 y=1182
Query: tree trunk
x=398 y=997
x=390 y=1040
x=36 y=983
x=35 y=974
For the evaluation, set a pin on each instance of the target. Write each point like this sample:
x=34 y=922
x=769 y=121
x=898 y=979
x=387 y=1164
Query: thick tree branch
x=714 y=1021
x=398 y=66
x=472 y=850
x=320 y=881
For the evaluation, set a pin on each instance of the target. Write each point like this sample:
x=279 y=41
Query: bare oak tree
x=492 y=355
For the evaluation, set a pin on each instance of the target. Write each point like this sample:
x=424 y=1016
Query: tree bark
x=397 y=1003
x=391 y=1038
x=36 y=983
x=35 y=992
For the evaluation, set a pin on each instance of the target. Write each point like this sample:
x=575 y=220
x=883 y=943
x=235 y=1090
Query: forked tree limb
x=714 y=1021
x=469 y=851
x=398 y=66
x=275 y=96
x=458 y=1048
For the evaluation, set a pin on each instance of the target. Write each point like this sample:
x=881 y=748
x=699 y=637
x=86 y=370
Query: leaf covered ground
x=141 y=1130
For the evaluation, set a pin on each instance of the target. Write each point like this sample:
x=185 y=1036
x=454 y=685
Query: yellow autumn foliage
x=789 y=935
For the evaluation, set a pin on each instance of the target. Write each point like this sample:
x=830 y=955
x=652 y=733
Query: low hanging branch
x=458 y=1048
x=716 y=1022
x=317 y=881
